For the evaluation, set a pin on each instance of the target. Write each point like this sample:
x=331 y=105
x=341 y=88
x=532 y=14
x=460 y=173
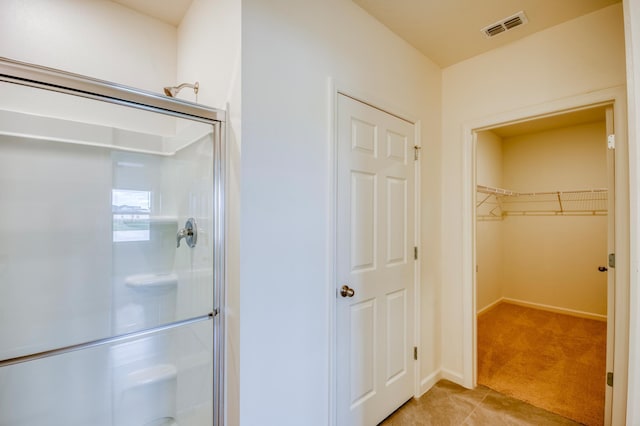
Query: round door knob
x=603 y=268
x=346 y=291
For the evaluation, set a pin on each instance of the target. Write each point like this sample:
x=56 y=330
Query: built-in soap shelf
x=150 y=376
x=195 y=360
x=152 y=281
x=165 y=421
x=149 y=397
x=153 y=220
x=163 y=220
x=51 y=129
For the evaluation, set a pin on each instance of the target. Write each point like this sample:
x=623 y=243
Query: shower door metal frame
x=26 y=74
x=75 y=84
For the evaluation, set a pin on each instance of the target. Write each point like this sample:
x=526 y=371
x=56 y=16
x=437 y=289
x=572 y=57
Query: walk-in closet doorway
x=544 y=229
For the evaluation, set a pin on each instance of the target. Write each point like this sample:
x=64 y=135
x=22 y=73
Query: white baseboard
x=428 y=382
x=452 y=376
x=490 y=306
x=556 y=309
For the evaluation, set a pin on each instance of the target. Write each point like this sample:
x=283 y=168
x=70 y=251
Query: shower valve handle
x=189 y=233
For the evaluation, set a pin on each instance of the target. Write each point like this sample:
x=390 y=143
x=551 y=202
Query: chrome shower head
x=173 y=91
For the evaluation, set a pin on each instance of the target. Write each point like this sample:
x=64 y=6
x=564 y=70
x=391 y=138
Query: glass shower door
x=108 y=245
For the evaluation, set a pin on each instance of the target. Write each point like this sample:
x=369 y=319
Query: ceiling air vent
x=505 y=24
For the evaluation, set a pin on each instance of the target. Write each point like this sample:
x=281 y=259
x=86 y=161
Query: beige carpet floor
x=553 y=361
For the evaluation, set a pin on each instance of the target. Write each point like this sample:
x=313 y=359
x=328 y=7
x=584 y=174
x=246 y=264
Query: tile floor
x=448 y=404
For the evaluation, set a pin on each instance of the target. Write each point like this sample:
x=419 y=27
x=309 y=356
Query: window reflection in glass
x=131 y=213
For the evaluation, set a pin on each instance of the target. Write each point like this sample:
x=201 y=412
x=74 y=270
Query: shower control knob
x=189 y=233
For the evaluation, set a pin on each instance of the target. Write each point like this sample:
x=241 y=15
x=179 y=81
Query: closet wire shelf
x=497 y=203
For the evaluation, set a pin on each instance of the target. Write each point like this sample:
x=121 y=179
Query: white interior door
x=375 y=261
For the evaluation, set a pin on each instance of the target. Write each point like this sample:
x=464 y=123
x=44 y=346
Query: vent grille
x=505 y=24
x=495 y=30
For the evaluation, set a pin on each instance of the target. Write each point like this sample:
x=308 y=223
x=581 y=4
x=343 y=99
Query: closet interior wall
x=534 y=253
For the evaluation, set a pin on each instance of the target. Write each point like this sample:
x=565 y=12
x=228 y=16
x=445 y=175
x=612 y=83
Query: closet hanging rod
x=493 y=191
x=498 y=202
x=506 y=192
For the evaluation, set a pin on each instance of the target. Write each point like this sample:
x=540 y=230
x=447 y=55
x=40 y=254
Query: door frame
x=616 y=96
x=335 y=90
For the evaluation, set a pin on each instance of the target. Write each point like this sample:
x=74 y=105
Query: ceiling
x=572 y=118
x=168 y=11
x=448 y=31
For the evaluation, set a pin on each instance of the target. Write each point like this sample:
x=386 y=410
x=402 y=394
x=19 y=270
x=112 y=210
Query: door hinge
x=610 y=379
x=415 y=253
x=612 y=260
x=416 y=152
x=611 y=141
x=415 y=353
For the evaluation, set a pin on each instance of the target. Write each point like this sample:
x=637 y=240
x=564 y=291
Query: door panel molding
x=394 y=149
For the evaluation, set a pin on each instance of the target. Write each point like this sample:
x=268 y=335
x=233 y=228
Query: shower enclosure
x=111 y=253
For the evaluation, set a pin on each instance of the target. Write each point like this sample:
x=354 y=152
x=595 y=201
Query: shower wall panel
x=55 y=250
x=112 y=384
x=89 y=226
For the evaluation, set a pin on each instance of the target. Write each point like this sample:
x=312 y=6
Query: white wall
x=564 y=159
x=101 y=39
x=290 y=50
x=574 y=58
x=489 y=257
x=489 y=159
x=208 y=49
x=553 y=260
x=632 y=33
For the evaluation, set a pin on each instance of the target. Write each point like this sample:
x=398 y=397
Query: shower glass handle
x=189 y=233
